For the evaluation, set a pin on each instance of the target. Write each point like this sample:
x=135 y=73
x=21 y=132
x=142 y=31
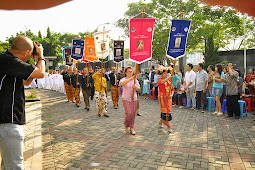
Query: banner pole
x=136 y=65
x=117 y=75
x=102 y=63
x=88 y=74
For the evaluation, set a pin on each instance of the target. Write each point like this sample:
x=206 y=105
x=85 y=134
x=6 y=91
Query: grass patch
x=32 y=96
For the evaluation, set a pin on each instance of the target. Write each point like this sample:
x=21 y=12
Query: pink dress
x=129 y=104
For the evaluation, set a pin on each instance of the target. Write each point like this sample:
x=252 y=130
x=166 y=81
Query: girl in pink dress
x=129 y=104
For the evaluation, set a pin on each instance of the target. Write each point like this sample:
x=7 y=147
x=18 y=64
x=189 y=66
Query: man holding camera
x=14 y=74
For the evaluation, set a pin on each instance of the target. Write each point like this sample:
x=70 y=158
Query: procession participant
x=86 y=86
x=68 y=86
x=166 y=91
x=248 y=82
x=129 y=104
x=115 y=89
x=14 y=74
x=100 y=95
x=92 y=91
x=75 y=87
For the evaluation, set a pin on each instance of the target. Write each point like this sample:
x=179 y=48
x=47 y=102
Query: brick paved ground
x=74 y=138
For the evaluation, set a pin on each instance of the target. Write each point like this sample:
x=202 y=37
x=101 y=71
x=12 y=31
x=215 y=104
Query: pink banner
x=141 y=35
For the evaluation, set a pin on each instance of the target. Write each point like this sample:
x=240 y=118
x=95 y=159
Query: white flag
x=102 y=44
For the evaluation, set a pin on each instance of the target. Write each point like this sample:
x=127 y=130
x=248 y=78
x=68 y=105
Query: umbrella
x=244 y=6
x=30 y=4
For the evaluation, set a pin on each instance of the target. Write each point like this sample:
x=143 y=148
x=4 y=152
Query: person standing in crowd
x=210 y=81
x=176 y=85
x=218 y=87
x=146 y=87
x=115 y=89
x=155 y=83
x=92 y=89
x=85 y=80
x=223 y=96
x=100 y=95
x=248 y=79
x=68 y=86
x=151 y=77
x=166 y=91
x=189 y=83
x=107 y=73
x=75 y=87
x=180 y=74
x=14 y=74
x=129 y=103
x=231 y=78
x=239 y=84
x=176 y=81
x=200 y=86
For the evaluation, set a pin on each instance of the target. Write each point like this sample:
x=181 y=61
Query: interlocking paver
x=74 y=138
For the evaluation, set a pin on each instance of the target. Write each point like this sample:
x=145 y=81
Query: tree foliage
x=219 y=27
x=52 y=43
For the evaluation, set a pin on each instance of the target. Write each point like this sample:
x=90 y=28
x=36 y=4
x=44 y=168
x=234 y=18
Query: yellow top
x=97 y=83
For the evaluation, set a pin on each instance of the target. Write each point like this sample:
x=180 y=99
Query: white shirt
x=190 y=76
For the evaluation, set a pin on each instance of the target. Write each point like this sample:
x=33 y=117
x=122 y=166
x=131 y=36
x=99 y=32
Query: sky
x=73 y=17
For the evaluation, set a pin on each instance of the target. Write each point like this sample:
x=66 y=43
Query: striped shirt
x=231 y=83
x=201 y=79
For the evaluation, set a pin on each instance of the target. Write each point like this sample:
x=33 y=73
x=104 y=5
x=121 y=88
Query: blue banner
x=78 y=49
x=178 y=38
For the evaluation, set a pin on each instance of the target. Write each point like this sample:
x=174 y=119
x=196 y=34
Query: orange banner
x=90 y=53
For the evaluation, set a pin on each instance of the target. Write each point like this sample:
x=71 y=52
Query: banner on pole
x=78 y=49
x=178 y=38
x=90 y=52
x=118 y=50
x=67 y=56
x=141 y=35
x=102 y=44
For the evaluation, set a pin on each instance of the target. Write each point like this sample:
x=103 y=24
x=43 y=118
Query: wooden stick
x=136 y=66
x=77 y=72
x=88 y=74
x=117 y=76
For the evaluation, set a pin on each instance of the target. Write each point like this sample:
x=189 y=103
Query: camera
x=34 y=49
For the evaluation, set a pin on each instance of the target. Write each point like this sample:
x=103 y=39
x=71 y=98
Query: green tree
x=216 y=26
x=4 y=46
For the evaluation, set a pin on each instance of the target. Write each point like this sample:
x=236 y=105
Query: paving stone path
x=73 y=138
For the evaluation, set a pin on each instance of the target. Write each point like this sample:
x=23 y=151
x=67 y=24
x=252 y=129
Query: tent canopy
x=244 y=6
x=30 y=4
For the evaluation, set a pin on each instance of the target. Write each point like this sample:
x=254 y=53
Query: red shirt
x=163 y=87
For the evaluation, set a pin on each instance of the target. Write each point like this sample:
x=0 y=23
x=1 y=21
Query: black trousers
x=233 y=105
x=201 y=95
x=156 y=92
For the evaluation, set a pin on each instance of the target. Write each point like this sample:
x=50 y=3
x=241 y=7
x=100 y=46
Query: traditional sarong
x=115 y=95
x=76 y=93
x=130 y=112
x=69 y=92
x=101 y=102
x=165 y=107
x=86 y=94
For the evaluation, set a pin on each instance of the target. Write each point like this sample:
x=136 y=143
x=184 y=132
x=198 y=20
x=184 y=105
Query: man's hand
x=87 y=85
x=101 y=84
x=204 y=91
